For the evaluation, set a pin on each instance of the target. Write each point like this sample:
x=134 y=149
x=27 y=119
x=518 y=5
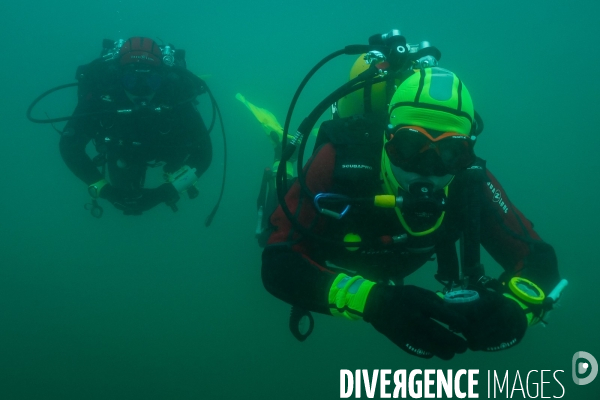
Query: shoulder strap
x=358 y=142
x=355 y=130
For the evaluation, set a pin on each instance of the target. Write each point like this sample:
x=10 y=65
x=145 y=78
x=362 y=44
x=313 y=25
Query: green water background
x=160 y=307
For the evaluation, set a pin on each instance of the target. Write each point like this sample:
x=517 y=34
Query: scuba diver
x=137 y=105
x=394 y=182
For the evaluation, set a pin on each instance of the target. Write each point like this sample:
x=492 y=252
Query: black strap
x=475 y=176
x=301 y=323
x=472 y=180
x=368 y=106
x=447 y=260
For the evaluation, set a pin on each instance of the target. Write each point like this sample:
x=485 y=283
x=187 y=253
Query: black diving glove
x=115 y=195
x=406 y=314
x=496 y=322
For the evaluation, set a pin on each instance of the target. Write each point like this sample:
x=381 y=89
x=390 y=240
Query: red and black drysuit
x=300 y=270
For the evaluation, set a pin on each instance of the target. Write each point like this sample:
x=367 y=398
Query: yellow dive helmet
x=361 y=102
x=431 y=99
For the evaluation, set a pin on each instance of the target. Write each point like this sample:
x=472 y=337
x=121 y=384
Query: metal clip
x=334 y=197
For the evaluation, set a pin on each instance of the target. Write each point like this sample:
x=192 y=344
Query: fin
x=265 y=117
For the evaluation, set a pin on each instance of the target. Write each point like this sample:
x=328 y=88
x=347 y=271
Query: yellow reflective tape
x=348 y=296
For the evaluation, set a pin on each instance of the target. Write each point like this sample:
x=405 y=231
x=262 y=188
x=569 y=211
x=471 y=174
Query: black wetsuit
x=128 y=143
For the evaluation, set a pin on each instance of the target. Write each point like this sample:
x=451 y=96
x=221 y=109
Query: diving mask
x=428 y=152
x=142 y=81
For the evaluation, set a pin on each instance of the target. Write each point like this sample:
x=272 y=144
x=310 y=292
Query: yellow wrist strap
x=348 y=296
x=95 y=188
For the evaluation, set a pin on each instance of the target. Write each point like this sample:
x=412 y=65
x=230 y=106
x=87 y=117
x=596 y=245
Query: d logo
x=582 y=368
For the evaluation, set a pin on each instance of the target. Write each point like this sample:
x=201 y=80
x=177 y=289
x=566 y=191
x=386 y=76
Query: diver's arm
x=510 y=239
x=288 y=271
x=406 y=315
x=76 y=135
x=201 y=145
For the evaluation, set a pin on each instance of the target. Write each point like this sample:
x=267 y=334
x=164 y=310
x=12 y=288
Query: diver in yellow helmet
x=394 y=198
x=428 y=141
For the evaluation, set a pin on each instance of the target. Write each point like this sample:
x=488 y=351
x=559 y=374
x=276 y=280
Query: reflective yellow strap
x=95 y=188
x=531 y=318
x=348 y=296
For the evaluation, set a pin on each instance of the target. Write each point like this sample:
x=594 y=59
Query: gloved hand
x=406 y=314
x=496 y=322
x=138 y=201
